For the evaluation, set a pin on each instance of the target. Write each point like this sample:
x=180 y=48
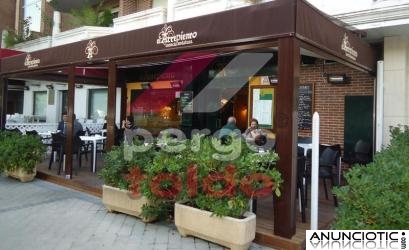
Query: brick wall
x=329 y=98
x=47 y=18
x=127 y=7
x=7 y=14
x=67 y=20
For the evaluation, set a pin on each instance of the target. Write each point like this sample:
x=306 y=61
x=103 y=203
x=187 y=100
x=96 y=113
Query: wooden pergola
x=291 y=26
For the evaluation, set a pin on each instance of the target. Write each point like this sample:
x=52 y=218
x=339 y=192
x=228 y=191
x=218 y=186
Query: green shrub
x=206 y=179
x=20 y=151
x=119 y=161
x=377 y=195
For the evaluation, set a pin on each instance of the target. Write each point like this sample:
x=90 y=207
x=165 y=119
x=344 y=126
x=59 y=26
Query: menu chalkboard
x=186 y=107
x=305 y=106
x=186 y=101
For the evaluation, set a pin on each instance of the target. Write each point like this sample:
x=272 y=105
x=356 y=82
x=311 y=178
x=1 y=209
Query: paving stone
x=48 y=216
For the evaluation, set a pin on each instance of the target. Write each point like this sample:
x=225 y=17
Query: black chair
x=31 y=132
x=58 y=145
x=329 y=167
x=57 y=141
x=85 y=145
x=362 y=154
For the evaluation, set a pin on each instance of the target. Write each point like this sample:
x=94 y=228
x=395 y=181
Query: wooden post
x=3 y=102
x=111 y=105
x=286 y=134
x=70 y=124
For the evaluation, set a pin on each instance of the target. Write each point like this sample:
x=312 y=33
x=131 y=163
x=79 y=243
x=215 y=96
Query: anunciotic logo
x=356 y=239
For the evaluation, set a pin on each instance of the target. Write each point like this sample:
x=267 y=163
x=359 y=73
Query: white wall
x=53 y=111
x=396 y=85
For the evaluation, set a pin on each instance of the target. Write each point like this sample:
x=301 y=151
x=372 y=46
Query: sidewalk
x=41 y=216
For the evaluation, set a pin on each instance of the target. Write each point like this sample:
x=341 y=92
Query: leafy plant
x=121 y=160
x=226 y=185
x=208 y=175
x=377 y=195
x=163 y=182
x=92 y=16
x=14 y=37
x=20 y=151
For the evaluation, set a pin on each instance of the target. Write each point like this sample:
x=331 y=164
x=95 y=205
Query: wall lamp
x=50 y=86
x=79 y=86
x=337 y=78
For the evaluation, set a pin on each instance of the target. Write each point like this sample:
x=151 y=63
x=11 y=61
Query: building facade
x=385 y=24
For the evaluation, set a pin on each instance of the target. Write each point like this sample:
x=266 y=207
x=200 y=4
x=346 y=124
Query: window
x=40 y=103
x=115 y=12
x=32 y=13
x=98 y=103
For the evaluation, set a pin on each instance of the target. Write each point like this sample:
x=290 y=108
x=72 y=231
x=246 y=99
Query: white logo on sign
x=349 y=50
x=91 y=49
x=169 y=38
x=31 y=63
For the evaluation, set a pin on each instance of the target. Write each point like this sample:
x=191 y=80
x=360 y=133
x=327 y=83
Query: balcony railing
x=33 y=45
x=140 y=19
x=182 y=9
x=190 y=8
x=81 y=33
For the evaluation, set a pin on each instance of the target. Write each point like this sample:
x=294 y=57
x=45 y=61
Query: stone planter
x=226 y=231
x=21 y=175
x=119 y=200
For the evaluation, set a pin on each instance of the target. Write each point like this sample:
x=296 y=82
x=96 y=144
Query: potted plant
x=212 y=184
x=19 y=155
x=163 y=184
x=124 y=168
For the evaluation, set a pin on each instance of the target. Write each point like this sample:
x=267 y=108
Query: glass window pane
x=40 y=103
x=32 y=10
x=98 y=103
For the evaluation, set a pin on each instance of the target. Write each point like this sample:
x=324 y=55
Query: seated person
x=228 y=130
x=62 y=125
x=253 y=132
x=128 y=128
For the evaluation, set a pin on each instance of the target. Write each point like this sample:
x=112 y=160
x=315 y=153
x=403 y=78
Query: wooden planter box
x=226 y=231
x=119 y=200
x=21 y=175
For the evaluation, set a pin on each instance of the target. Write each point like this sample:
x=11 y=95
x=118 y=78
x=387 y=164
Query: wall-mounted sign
x=262 y=105
x=305 y=106
x=31 y=62
x=186 y=101
x=169 y=38
x=350 y=52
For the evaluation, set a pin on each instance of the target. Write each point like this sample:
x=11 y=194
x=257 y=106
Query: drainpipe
x=56 y=25
x=379 y=106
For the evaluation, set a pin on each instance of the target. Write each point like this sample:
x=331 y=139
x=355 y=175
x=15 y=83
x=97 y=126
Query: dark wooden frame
x=290 y=24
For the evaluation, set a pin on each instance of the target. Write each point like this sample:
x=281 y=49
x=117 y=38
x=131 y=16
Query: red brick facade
x=7 y=14
x=329 y=98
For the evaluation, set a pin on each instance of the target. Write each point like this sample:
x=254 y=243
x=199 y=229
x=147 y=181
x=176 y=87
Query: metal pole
x=314 y=170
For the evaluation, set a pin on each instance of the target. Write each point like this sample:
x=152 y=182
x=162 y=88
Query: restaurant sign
x=350 y=52
x=31 y=62
x=169 y=38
